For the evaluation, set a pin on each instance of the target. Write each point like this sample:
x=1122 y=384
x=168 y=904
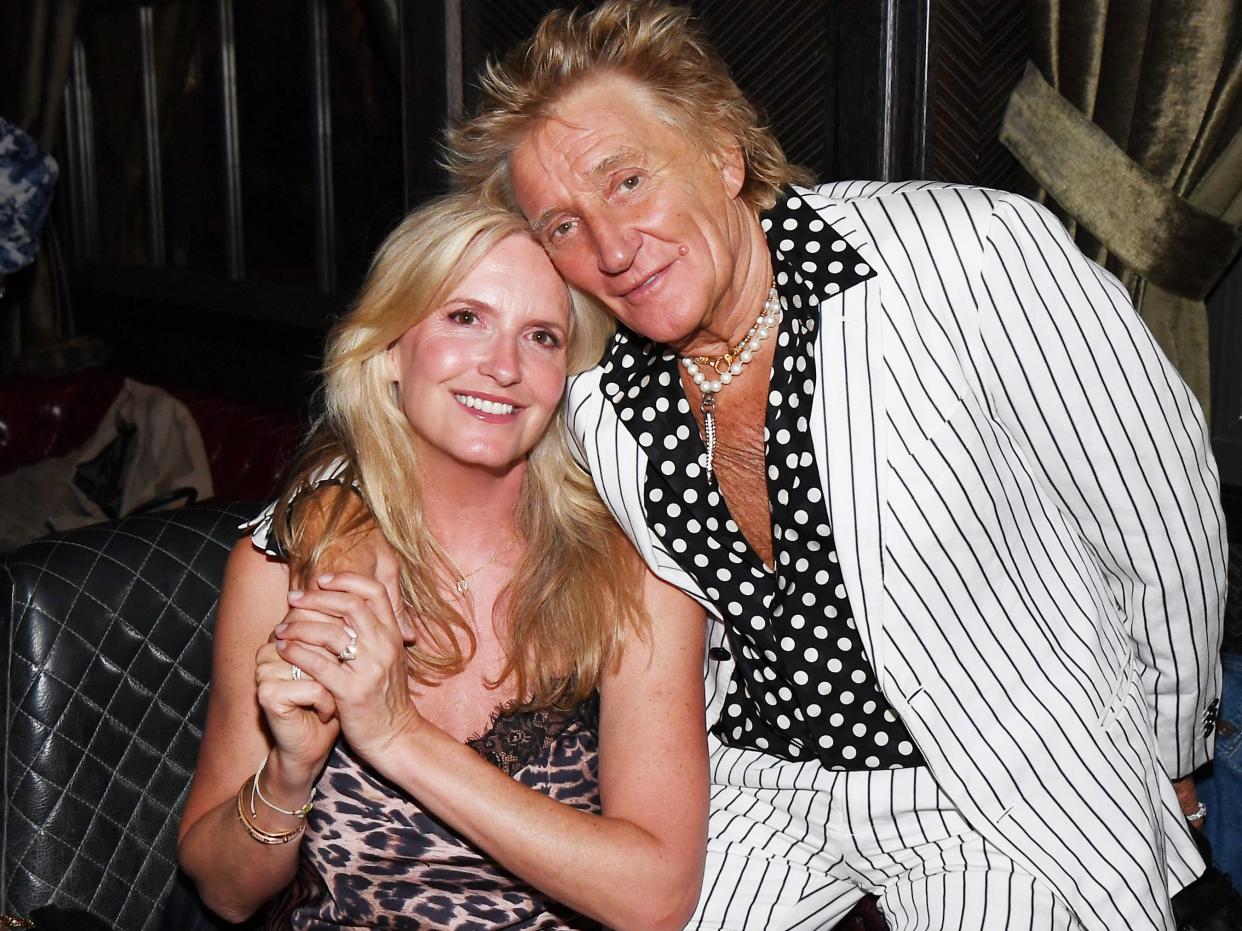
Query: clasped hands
x=366 y=698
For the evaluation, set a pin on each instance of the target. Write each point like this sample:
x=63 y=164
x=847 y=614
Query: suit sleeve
x=1118 y=440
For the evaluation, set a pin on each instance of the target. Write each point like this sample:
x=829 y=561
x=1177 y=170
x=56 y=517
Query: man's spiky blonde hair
x=656 y=45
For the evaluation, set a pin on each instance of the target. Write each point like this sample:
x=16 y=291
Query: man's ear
x=732 y=165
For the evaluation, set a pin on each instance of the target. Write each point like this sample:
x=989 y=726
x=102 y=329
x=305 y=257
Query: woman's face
x=480 y=377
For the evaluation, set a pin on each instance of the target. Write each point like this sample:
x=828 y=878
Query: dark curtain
x=36 y=46
x=35 y=51
x=120 y=113
x=1128 y=119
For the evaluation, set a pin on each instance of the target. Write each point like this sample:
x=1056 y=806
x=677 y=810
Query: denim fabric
x=1220 y=788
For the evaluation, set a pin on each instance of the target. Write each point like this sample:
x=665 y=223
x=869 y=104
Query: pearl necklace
x=728 y=367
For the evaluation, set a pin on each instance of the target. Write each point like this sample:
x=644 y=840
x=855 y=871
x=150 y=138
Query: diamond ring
x=351 y=649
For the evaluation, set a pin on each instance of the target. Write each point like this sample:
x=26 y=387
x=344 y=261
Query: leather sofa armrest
x=109 y=635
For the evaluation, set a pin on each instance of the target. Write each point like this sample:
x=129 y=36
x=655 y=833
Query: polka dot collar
x=810 y=259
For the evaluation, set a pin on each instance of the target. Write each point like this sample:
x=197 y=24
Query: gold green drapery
x=1130 y=119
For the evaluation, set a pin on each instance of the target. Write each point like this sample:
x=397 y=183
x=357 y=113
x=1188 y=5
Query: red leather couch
x=247 y=444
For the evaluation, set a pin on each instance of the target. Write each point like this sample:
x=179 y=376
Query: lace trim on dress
x=515 y=738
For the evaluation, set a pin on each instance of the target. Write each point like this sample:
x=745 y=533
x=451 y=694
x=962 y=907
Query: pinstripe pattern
x=891 y=833
x=1026 y=513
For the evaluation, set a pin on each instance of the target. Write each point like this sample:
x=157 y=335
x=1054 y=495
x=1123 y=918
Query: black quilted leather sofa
x=109 y=654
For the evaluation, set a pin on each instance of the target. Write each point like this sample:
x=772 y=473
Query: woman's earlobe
x=390 y=365
x=392 y=372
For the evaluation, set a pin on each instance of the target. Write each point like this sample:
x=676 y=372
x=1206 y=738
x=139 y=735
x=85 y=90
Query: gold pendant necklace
x=461 y=584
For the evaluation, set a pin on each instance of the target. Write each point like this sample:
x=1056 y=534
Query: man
x=953 y=513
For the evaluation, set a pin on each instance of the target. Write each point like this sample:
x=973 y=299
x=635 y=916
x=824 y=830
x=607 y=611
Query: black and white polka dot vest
x=802 y=687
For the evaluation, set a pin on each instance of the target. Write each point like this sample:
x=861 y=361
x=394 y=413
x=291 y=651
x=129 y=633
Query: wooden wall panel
x=977 y=52
x=853 y=88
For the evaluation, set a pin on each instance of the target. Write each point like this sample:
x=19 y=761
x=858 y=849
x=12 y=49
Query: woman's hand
x=371 y=691
x=300 y=714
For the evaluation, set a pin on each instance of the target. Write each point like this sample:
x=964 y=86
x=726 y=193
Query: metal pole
x=151 y=131
x=86 y=147
x=889 y=112
x=235 y=256
x=325 y=210
x=73 y=145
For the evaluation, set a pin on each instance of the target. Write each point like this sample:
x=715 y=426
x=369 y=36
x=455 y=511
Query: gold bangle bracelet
x=256 y=792
x=262 y=836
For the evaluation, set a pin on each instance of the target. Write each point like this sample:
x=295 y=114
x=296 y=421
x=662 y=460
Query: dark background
x=853 y=88
x=890 y=89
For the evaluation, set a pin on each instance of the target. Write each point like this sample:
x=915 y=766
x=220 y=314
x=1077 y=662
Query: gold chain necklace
x=462 y=585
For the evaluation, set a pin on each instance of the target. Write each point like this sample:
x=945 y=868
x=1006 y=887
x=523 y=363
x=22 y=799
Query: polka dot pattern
x=802 y=687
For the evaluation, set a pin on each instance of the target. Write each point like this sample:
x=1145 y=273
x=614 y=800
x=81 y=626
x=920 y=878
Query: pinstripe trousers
x=792 y=847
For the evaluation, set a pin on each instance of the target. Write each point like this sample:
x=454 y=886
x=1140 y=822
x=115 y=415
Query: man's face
x=633 y=213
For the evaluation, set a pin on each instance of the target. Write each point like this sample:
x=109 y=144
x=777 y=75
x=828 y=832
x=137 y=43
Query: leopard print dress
x=371 y=858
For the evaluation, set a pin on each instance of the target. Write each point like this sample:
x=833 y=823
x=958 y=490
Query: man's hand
x=1188 y=798
x=364 y=550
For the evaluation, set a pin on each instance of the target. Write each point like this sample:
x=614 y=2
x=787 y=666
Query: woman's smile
x=487 y=407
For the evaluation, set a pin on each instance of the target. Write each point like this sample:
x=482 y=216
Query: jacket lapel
x=848 y=431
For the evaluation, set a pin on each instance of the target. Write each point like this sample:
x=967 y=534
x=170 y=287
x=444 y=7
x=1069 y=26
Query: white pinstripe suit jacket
x=1026 y=513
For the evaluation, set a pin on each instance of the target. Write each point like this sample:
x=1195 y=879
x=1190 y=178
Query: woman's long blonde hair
x=575 y=593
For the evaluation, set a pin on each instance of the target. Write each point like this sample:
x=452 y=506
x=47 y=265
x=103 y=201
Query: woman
x=519 y=598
